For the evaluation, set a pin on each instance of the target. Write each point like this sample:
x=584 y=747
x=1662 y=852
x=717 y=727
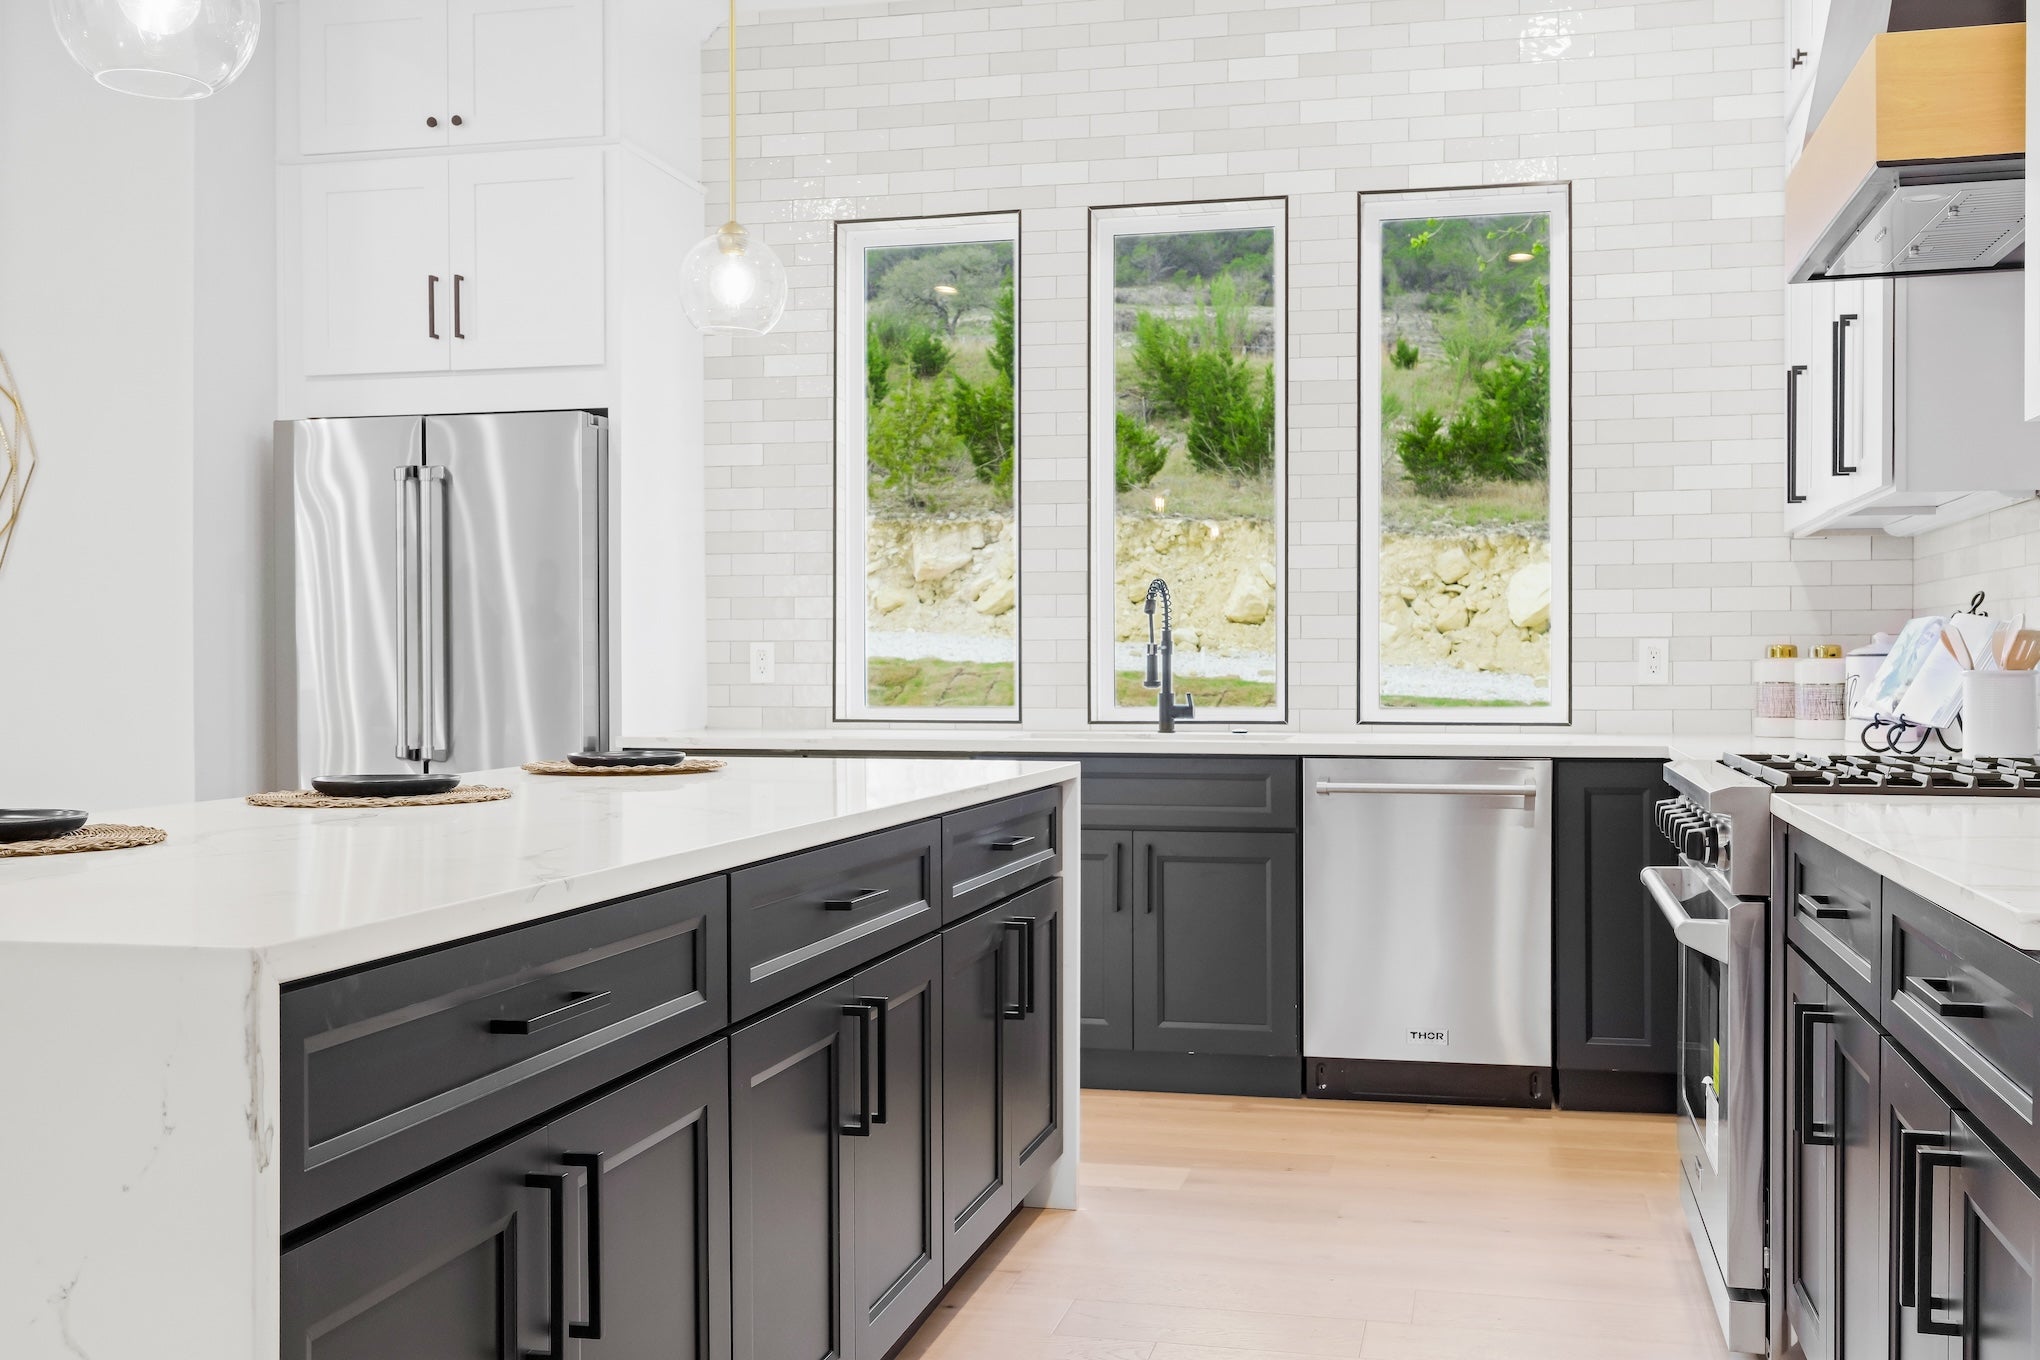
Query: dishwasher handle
x=1524 y=791
x=1709 y=937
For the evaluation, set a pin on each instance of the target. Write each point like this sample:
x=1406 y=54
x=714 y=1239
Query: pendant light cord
x=733 y=110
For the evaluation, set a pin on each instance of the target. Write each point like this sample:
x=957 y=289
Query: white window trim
x=853 y=238
x=1107 y=224
x=1376 y=208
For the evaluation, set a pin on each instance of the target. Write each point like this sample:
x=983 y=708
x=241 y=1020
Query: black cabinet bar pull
x=1810 y=1132
x=866 y=1015
x=1930 y=1160
x=575 y=1006
x=882 y=1008
x=591 y=1162
x=1026 y=925
x=1938 y=996
x=1018 y=1009
x=1841 y=336
x=458 y=280
x=554 y=1183
x=1011 y=842
x=855 y=900
x=1822 y=909
x=1910 y=1141
x=432 y=306
x=1150 y=880
x=1119 y=884
x=1793 y=496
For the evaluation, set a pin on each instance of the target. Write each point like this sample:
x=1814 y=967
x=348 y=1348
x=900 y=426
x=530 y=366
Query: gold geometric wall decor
x=17 y=457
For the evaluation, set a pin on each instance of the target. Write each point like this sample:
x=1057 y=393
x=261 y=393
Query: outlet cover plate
x=1653 y=661
x=761 y=663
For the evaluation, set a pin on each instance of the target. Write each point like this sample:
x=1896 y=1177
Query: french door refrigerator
x=451 y=603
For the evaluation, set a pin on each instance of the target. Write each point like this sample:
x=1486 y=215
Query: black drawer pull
x=866 y=1014
x=1010 y=842
x=590 y=1162
x=855 y=900
x=1910 y=1144
x=555 y=1186
x=1938 y=996
x=1810 y=1131
x=881 y=1008
x=1022 y=988
x=577 y=1005
x=1929 y=1160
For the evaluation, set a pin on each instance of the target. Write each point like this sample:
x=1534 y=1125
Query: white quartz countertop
x=312 y=891
x=1214 y=738
x=1977 y=857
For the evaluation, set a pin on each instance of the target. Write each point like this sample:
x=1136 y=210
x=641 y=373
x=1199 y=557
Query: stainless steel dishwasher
x=1427 y=930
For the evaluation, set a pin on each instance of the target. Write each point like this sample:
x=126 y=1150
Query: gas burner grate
x=2008 y=777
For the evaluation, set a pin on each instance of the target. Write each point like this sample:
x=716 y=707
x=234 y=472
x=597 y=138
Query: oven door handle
x=1709 y=937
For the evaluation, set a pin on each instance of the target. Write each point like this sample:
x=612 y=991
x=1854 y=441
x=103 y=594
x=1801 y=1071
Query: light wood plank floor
x=1215 y=1228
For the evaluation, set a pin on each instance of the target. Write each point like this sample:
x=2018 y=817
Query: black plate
x=384 y=785
x=37 y=824
x=628 y=755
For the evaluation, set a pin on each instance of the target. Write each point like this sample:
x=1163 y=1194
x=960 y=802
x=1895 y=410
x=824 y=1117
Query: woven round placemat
x=691 y=765
x=312 y=798
x=104 y=836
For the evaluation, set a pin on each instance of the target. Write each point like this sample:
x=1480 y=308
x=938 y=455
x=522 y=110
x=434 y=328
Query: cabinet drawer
x=1962 y=1003
x=1832 y=906
x=1170 y=793
x=994 y=851
x=391 y=1069
x=799 y=921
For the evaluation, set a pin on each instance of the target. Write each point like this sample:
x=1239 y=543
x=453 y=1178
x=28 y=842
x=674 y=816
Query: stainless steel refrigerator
x=452 y=593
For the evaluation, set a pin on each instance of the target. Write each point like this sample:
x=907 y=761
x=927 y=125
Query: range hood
x=1919 y=164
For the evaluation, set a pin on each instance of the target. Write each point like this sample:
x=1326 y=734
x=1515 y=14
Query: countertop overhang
x=309 y=892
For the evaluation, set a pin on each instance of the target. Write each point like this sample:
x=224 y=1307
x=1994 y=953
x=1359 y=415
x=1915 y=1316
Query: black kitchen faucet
x=1167 y=710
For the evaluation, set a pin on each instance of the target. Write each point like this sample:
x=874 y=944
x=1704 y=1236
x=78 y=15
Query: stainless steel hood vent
x=1928 y=222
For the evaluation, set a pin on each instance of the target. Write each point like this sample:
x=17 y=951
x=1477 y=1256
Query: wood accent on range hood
x=1926 y=96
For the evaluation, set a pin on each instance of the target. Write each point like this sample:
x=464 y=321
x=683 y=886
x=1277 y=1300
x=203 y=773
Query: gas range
x=1893 y=774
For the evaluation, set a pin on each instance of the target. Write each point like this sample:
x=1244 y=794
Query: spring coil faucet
x=1167 y=710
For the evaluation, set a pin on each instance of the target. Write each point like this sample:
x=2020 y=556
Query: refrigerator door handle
x=432 y=610
x=408 y=735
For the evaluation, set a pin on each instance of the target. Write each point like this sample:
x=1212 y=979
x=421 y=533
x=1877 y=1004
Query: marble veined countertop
x=312 y=891
x=1977 y=857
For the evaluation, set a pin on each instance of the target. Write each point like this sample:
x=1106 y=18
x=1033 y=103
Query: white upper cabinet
x=390 y=75
x=436 y=264
x=377 y=277
x=526 y=236
x=524 y=70
x=371 y=75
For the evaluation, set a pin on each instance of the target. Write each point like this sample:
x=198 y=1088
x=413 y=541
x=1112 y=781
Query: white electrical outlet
x=1653 y=661
x=761 y=663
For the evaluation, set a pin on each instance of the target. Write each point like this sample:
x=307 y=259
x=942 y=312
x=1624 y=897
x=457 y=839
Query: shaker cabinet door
x=650 y=1191
x=527 y=259
x=1107 y=1002
x=975 y=1165
x=1987 y=1287
x=378 y=285
x=1917 y=1126
x=895 y=1256
x=793 y=1083
x=1030 y=1056
x=1216 y=916
x=371 y=75
x=523 y=70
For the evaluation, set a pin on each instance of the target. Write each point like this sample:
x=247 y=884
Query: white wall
x=1666 y=116
x=1998 y=554
x=234 y=405
x=97 y=316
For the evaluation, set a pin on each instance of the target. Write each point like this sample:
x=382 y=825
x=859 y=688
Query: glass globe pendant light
x=160 y=49
x=731 y=283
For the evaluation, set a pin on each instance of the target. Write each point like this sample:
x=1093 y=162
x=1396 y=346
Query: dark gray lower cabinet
x=599 y=1235
x=1989 y=1272
x=1107 y=1004
x=1616 y=965
x=1001 y=1096
x=1917 y=1124
x=1215 y=953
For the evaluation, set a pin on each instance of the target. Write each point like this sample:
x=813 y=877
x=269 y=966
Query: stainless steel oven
x=1721 y=1078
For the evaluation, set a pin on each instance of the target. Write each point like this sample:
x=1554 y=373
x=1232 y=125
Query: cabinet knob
x=456 y=120
x=431 y=122
x=1799 y=58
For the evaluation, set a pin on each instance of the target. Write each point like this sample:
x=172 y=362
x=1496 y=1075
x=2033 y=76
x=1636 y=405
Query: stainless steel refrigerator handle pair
x=421 y=612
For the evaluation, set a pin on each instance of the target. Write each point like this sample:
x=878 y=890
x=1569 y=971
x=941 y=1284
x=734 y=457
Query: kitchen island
x=349 y=1083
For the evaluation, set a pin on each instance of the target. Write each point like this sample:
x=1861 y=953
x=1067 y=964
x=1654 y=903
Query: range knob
x=1701 y=842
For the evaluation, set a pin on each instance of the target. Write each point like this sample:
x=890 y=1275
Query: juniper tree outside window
x=1465 y=307
x=927 y=487
x=1188 y=341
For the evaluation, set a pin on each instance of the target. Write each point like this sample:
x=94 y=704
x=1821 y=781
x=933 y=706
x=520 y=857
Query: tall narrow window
x=927 y=492
x=1464 y=440
x=1187 y=438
